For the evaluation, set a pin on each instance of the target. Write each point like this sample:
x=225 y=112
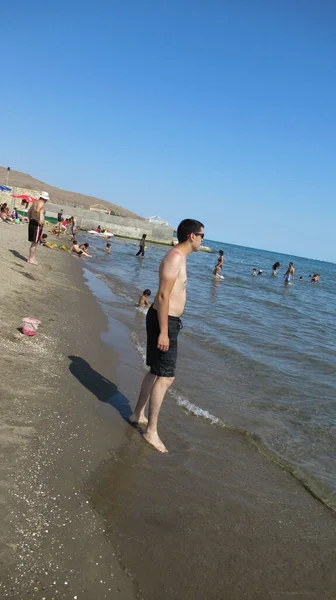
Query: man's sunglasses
x=200 y=234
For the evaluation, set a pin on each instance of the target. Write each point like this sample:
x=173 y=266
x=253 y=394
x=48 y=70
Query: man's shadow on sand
x=18 y=255
x=97 y=384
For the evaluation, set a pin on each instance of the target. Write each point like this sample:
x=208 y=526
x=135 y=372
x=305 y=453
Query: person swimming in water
x=276 y=268
x=143 y=300
x=289 y=275
x=254 y=272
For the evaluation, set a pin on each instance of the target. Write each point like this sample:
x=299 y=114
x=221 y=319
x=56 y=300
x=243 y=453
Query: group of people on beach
x=9 y=216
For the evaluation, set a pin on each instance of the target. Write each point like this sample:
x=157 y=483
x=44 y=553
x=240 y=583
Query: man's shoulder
x=173 y=259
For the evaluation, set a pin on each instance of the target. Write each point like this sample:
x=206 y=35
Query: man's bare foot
x=133 y=420
x=32 y=262
x=154 y=440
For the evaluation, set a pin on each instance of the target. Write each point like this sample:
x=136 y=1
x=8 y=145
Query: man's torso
x=36 y=212
x=178 y=295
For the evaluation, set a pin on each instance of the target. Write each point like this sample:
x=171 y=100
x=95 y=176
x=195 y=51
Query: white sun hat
x=44 y=196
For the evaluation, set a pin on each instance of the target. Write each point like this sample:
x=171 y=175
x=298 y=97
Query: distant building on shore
x=158 y=220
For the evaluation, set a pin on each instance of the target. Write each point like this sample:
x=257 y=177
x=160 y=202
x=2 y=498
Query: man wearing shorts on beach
x=163 y=323
x=35 y=227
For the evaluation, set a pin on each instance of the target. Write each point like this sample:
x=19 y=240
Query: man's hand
x=163 y=342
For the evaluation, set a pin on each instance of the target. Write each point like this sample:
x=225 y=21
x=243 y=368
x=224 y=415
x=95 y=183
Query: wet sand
x=214 y=518
x=53 y=544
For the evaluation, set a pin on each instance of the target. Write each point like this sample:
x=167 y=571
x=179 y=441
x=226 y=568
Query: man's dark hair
x=147 y=292
x=187 y=227
x=74 y=241
x=108 y=245
x=86 y=245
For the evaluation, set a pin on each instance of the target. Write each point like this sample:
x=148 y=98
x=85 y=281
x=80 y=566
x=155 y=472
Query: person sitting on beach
x=84 y=247
x=4 y=213
x=275 y=268
x=76 y=249
x=108 y=248
x=43 y=242
x=289 y=275
x=254 y=272
x=99 y=229
x=143 y=300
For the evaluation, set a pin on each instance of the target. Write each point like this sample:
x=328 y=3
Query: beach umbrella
x=4 y=188
x=24 y=197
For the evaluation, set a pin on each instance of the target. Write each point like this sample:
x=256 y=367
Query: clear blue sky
x=219 y=110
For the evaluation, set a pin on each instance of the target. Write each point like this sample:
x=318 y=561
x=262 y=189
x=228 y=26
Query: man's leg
x=159 y=389
x=31 y=257
x=138 y=416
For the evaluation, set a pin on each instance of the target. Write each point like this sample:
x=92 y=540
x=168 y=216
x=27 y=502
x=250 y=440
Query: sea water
x=255 y=355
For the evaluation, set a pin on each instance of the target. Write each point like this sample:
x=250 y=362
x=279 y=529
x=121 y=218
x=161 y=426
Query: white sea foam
x=141 y=348
x=195 y=410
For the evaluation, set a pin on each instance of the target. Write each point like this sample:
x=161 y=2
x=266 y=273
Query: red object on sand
x=24 y=197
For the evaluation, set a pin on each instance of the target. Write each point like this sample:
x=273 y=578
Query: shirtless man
x=36 y=221
x=163 y=324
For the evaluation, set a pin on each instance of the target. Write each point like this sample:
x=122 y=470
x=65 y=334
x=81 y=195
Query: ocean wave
x=197 y=411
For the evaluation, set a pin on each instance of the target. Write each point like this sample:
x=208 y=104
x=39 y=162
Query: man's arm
x=168 y=274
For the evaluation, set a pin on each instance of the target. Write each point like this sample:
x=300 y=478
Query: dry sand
x=53 y=545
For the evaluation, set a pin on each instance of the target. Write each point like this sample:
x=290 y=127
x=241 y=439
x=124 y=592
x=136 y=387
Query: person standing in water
x=289 y=275
x=275 y=268
x=142 y=246
x=219 y=264
x=163 y=323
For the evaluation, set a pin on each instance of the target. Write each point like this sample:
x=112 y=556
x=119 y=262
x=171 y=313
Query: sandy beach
x=53 y=545
x=91 y=512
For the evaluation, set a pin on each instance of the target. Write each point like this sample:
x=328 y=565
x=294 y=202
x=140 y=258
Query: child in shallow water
x=143 y=300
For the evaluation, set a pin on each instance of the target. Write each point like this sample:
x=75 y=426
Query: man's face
x=197 y=239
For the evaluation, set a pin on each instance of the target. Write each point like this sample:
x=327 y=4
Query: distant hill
x=58 y=196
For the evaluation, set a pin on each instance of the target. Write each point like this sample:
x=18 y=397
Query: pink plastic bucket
x=30 y=325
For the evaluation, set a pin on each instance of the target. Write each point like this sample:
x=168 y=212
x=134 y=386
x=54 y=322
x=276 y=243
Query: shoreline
x=53 y=543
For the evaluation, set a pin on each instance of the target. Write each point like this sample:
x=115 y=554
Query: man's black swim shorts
x=161 y=363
